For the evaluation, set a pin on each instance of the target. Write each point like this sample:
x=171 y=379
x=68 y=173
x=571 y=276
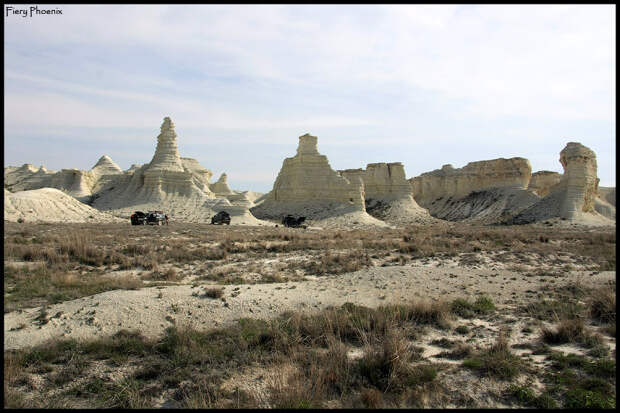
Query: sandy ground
x=151 y=310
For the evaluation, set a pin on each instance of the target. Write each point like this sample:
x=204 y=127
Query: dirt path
x=151 y=310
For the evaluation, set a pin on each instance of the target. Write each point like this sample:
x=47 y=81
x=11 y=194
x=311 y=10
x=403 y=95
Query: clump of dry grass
x=602 y=303
x=496 y=361
x=214 y=292
x=570 y=331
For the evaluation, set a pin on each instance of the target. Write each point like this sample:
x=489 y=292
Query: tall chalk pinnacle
x=166 y=154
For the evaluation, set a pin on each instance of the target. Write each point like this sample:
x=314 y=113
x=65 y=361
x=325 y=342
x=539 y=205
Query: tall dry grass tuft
x=602 y=303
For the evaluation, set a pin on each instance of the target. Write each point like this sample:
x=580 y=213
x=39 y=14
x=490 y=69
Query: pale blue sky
x=421 y=85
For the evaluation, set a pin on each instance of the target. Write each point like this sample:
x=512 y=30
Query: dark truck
x=220 y=218
x=138 y=218
x=292 y=222
x=155 y=218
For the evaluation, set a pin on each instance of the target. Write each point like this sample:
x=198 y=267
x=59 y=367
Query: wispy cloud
x=400 y=75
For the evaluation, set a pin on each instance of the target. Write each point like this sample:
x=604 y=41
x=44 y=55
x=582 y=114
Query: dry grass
x=570 y=331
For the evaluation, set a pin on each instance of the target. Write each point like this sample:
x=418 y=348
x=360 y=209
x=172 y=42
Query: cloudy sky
x=421 y=85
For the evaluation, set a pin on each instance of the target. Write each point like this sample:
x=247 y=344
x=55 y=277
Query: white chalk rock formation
x=133 y=168
x=14 y=175
x=542 y=182
x=308 y=177
x=221 y=188
x=607 y=194
x=482 y=191
x=307 y=186
x=579 y=181
x=574 y=198
x=50 y=205
x=179 y=186
x=449 y=182
x=75 y=182
x=387 y=193
x=106 y=166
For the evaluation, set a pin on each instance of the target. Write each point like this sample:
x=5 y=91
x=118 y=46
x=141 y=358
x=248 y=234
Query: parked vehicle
x=292 y=222
x=155 y=218
x=138 y=218
x=220 y=218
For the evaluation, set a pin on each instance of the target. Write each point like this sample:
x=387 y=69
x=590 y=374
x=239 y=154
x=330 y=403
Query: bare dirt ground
x=152 y=279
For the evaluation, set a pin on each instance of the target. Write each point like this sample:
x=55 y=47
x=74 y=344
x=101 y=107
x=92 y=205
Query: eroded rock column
x=579 y=181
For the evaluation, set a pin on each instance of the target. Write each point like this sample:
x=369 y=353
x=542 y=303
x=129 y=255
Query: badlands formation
x=505 y=191
x=43 y=205
x=179 y=186
x=498 y=191
x=307 y=186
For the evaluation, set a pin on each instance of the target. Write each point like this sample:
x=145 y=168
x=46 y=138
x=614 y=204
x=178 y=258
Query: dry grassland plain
x=201 y=316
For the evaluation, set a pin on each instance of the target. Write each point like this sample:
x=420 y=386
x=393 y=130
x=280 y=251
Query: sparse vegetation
x=497 y=361
x=350 y=356
x=463 y=308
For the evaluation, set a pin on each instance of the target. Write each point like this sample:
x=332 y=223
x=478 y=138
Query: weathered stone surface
x=381 y=180
x=449 y=182
x=573 y=199
x=542 y=182
x=607 y=194
x=221 y=186
x=579 y=181
x=308 y=176
x=49 y=205
x=307 y=186
x=179 y=186
x=166 y=155
x=106 y=166
x=387 y=193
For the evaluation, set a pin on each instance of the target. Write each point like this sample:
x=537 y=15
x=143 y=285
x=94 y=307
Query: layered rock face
x=579 y=182
x=165 y=173
x=166 y=157
x=449 y=182
x=381 y=180
x=307 y=185
x=308 y=177
x=27 y=177
x=607 y=194
x=387 y=193
x=179 y=186
x=221 y=186
x=482 y=191
x=574 y=198
x=50 y=205
x=75 y=182
x=542 y=182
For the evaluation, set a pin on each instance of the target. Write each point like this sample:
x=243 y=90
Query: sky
x=425 y=85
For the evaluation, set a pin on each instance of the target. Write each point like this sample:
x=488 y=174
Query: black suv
x=292 y=222
x=138 y=218
x=155 y=218
x=220 y=218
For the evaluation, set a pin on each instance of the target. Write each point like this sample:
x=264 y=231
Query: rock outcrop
x=307 y=186
x=50 y=205
x=308 y=176
x=221 y=187
x=574 y=198
x=482 y=191
x=542 y=182
x=106 y=166
x=449 y=182
x=387 y=193
x=179 y=186
x=607 y=194
x=579 y=181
